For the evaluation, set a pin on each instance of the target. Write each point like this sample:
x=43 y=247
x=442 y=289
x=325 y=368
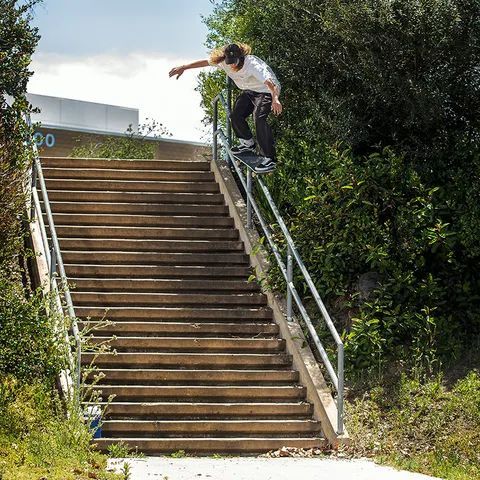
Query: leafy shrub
x=378 y=170
x=38 y=440
x=130 y=146
x=30 y=345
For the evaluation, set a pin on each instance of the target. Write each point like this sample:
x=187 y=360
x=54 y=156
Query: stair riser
x=136 y=175
x=132 y=186
x=202 y=394
x=209 y=410
x=152 y=272
x=201 y=345
x=208 y=446
x=184 y=299
x=153 y=198
x=185 y=330
x=151 y=258
x=158 y=286
x=144 y=233
x=140 y=220
x=216 y=429
x=68 y=162
x=176 y=314
x=146 y=249
x=189 y=360
x=138 y=209
x=199 y=377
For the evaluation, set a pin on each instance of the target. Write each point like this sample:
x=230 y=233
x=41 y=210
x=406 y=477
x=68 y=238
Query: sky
x=120 y=52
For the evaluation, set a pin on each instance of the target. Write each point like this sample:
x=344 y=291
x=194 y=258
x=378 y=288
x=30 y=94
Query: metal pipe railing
x=337 y=378
x=53 y=254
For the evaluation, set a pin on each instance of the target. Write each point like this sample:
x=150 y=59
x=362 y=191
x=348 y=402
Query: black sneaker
x=267 y=165
x=243 y=149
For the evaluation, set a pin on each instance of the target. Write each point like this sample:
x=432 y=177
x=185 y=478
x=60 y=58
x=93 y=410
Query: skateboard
x=250 y=160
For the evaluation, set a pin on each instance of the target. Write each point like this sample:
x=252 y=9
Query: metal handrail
x=337 y=378
x=53 y=254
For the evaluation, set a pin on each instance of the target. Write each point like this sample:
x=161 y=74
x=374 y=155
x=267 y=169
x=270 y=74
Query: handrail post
x=289 y=281
x=33 y=185
x=229 y=103
x=53 y=262
x=215 y=127
x=340 y=375
x=249 y=203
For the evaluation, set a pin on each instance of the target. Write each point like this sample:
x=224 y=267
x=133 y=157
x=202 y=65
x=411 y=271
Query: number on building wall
x=48 y=139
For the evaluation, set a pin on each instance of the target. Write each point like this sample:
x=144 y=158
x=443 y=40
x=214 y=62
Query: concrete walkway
x=248 y=468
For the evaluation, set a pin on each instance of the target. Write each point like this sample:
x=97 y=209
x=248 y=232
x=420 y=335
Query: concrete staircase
x=200 y=365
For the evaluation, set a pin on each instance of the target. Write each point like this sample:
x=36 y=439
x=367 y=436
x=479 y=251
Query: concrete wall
x=59 y=142
x=65 y=112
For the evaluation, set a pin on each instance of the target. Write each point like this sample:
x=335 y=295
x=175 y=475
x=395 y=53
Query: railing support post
x=340 y=367
x=215 y=127
x=53 y=262
x=33 y=185
x=249 y=203
x=289 y=280
x=229 y=103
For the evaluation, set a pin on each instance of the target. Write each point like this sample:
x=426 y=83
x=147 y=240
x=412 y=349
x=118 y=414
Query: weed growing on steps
x=122 y=450
x=178 y=454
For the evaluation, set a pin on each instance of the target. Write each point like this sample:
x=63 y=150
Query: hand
x=277 y=107
x=176 y=71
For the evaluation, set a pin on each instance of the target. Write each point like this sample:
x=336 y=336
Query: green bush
x=130 y=146
x=30 y=338
x=379 y=170
x=37 y=440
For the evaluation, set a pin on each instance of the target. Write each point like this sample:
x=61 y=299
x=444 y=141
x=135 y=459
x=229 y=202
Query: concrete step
x=157 y=271
x=138 y=393
x=133 y=376
x=186 y=330
x=157 y=233
x=139 y=208
x=157 y=198
x=209 y=410
x=198 y=446
x=141 y=220
x=152 y=252
x=131 y=185
x=203 y=345
x=161 y=285
x=239 y=361
x=184 y=299
x=134 y=164
x=209 y=428
x=129 y=174
x=195 y=314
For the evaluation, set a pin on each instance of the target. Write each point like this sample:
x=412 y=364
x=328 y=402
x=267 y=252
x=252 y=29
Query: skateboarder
x=260 y=91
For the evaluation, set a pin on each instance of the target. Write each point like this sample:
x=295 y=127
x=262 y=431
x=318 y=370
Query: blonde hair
x=218 y=54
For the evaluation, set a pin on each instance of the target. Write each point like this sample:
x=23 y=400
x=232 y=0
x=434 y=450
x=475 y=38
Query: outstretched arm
x=276 y=105
x=179 y=70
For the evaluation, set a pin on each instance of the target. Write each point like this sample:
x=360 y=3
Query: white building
x=78 y=115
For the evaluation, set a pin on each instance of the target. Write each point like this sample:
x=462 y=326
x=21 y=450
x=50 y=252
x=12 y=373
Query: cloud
x=134 y=80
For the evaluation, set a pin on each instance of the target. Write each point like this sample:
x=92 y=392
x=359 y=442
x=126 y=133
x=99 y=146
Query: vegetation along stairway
x=199 y=364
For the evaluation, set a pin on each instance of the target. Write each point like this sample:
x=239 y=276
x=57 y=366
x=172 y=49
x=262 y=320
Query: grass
x=38 y=441
x=421 y=427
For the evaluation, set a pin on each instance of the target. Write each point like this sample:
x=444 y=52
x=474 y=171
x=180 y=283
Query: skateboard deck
x=250 y=160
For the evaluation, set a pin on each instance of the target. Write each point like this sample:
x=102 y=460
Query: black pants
x=260 y=104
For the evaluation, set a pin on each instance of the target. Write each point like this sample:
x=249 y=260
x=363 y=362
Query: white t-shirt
x=252 y=75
